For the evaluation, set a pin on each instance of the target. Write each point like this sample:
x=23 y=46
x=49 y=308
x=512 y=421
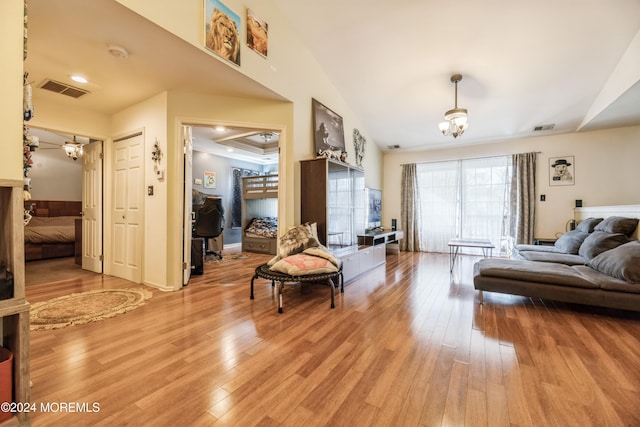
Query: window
x=465 y=199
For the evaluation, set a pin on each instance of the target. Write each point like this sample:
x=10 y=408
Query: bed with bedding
x=259 y=213
x=50 y=233
x=261 y=235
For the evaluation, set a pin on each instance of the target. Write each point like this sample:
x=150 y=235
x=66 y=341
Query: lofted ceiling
x=524 y=64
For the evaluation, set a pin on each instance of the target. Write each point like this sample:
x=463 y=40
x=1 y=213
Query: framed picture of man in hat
x=561 y=170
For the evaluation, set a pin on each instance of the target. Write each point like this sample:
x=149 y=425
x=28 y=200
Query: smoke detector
x=118 y=51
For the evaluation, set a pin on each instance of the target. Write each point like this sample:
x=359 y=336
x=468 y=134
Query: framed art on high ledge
x=222 y=30
x=257 y=33
x=328 y=130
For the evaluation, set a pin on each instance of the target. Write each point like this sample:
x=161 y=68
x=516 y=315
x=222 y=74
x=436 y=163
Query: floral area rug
x=85 y=307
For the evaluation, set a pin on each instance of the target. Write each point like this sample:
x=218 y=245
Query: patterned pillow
x=296 y=240
x=303 y=264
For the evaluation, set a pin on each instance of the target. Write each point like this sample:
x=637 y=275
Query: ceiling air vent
x=543 y=127
x=63 y=89
x=393 y=147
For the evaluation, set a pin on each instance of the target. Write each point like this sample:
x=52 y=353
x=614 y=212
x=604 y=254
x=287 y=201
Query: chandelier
x=266 y=136
x=456 y=118
x=73 y=149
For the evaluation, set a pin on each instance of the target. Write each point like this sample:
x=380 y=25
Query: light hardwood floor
x=405 y=345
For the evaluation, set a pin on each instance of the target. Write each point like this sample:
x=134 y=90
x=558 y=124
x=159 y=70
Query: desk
x=456 y=244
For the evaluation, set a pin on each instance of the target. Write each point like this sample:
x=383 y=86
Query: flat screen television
x=374 y=208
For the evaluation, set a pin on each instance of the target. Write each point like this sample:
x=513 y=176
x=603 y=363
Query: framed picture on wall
x=328 y=130
x=561 y=170
x=222 y=30
x=209 y=179
x=257 y=33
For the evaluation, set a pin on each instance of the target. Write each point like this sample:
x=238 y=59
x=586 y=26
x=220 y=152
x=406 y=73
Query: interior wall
x=149 y=117
x=11 y=111
x=290 y=70
x=606 y=172
x=54 y=176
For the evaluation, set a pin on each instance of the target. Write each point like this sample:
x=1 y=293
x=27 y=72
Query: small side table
x=455 y=245
x=544 y=241
x=263 y=271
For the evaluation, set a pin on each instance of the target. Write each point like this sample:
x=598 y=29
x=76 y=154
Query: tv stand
x=389 y=238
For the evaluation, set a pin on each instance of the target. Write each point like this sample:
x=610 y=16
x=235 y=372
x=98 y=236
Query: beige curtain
x=523 y=198
x=410 y=209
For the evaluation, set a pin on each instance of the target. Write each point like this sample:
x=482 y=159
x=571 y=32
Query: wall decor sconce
x=156 y=155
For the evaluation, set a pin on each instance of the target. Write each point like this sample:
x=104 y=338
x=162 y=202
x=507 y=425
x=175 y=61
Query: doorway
x=60 y=190
x=218 y=153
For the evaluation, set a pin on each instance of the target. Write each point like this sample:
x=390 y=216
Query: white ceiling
x=524 y=64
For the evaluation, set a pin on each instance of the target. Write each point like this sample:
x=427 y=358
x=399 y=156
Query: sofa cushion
x=587 y=225
x=618 y=224
x=600 y=241
x=557 y=257
x=529 y=271
x=570 y=242
x=622 y=262
x=536 y=248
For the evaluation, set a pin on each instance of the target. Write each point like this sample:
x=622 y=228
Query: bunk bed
x=260 y=214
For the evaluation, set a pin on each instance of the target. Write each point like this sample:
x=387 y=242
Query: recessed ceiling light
x=230 y=150
x=221 y=128
x=78 y=79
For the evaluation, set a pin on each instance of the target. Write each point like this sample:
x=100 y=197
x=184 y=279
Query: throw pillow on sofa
x=600 y=241
x=569 y=243
x=618 y=224
x=622 y=262
x=588 y=225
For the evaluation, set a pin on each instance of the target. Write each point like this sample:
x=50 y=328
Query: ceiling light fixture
x=73 y=149
x=266 y=136
x=456 y=118
x=79 y=79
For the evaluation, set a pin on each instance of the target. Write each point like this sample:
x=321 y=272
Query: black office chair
x=210 y=221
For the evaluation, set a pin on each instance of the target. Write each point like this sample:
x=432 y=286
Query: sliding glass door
x=467 y=199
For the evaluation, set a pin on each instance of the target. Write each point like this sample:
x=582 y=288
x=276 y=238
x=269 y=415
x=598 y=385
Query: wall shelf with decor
x=14 y=309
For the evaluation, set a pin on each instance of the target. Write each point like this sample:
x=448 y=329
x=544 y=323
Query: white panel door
x=186 y=235
x=127 y=211
x=92 y=207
